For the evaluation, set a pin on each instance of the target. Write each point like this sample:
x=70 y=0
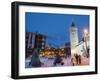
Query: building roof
x=73 y=24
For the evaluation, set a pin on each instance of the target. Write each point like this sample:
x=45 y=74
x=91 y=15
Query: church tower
x=73 y=35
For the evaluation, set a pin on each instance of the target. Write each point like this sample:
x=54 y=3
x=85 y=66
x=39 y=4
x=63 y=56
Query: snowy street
x=48 y=62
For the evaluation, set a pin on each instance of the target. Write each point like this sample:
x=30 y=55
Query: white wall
x=5 y=40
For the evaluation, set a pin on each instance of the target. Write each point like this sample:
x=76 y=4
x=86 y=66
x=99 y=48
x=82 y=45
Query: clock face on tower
x=73 y=33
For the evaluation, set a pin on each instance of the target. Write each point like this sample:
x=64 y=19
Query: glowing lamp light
x=73 y=51
x=85 y=31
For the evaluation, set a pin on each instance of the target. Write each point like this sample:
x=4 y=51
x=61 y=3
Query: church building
x=79 y=47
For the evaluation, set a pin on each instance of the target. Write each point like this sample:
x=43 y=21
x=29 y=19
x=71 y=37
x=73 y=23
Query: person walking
x=72 y=61
x=79 y=59
x=76 y=57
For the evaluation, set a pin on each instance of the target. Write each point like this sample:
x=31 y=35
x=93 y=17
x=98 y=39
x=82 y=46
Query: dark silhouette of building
x=40 y=41
x=32 y=41
x=67 y=50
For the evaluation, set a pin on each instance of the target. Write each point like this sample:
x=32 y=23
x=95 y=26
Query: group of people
x=58 y=60
x=76 y=60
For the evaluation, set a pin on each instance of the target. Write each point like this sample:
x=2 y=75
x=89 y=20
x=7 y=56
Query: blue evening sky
x=56 y=27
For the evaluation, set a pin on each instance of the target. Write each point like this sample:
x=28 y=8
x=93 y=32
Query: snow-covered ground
x=48 y=62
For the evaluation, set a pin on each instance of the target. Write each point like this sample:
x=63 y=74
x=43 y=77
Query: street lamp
x=85 y=35
x=85 y=32
x=73 y=51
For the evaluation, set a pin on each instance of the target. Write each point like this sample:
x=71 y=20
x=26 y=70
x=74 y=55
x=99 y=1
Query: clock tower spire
x=73 y=35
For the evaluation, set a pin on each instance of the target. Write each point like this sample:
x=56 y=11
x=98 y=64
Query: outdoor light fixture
x=85 y=32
